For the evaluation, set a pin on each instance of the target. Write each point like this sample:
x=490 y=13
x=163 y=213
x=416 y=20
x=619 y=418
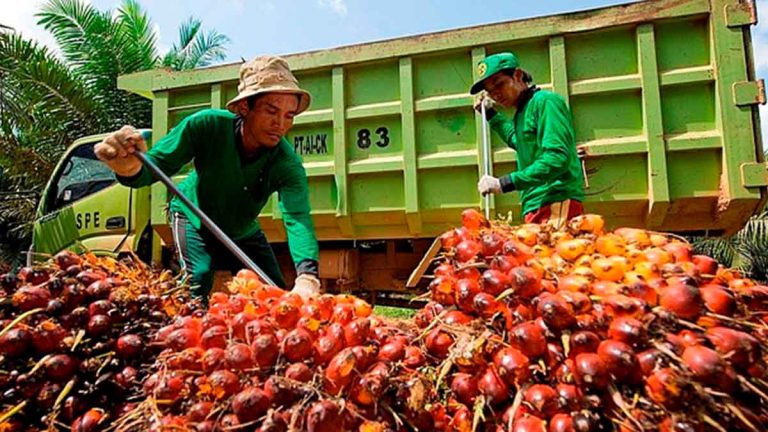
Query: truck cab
x=84 y=208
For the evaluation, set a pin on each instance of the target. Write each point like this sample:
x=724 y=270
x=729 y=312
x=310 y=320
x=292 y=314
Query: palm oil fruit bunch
x=263 y=359
x=73 y=340
x=582 y=329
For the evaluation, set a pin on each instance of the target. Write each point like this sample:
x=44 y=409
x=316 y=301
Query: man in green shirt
x=548 y=175
x=240 y=158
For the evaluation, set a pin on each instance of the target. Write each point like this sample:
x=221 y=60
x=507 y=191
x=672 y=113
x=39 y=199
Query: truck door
x=83 y=207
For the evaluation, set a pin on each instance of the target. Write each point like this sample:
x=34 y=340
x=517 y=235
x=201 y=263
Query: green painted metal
x=83 y=224
x=658 y=193
x=754 y=174
x=392 y=146
x=749 y=93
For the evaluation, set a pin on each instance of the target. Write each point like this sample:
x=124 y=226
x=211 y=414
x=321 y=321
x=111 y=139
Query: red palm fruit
x=472 y=219
x=583 y=342
x=467 y=250
x=543 y=399
x=495 y=282
x=438 y=343
x=129 y=346
x=250 y=404
x=665 y=387
x=718 y=300
x=706 y=265
x=557 y=313
x=356 y=332
x=326 y=347
x=392 y=351
x=47 y=336
x=494 y=388
x=628 y=330
x=706 y=364
x=492 y=244
x=682 y=300
x=414 y=357
x=486 y=305
x=239 y=356
x=464 y=387
x=340 y=371
x=621 y=360
x=213 y=359
x=466 y=290
x=265 y=349
x=443 y=290
x=214 y=337
x=504 y=263
x=742 y=349
x=297 y=345
x=512 y=366
x=224 y=383
x=525 y=282
x=285 y=314
x=591 y=371
x=529 y=338
x=299 y=372
x=240 y=321
x=323 y=416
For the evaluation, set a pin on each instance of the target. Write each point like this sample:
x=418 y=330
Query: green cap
x=492 y=65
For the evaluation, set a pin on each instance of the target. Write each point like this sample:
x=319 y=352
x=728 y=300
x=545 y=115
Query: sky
x=289 y=26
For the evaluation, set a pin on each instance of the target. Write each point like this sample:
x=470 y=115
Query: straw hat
x=268 y=74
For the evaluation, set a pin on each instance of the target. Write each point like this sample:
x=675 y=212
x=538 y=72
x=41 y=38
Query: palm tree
x=49 y=99
x=747 y=250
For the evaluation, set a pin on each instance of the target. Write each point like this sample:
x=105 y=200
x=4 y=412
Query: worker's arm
x=293 y=193
x=504 y=127
x=556 y=136
x=170 y=153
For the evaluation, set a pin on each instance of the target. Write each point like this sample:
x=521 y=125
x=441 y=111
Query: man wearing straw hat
x=240 y=158
x=549 y=171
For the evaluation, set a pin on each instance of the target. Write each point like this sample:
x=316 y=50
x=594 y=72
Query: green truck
x=663 y=93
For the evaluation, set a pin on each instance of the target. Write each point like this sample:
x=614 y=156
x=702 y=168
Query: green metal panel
x=82 y=225
x=392 y=146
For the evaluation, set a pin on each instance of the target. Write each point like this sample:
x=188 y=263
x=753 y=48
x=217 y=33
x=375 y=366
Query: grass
x=394 y=312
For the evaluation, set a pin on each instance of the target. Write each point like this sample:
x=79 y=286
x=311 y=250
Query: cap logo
x=482 y=68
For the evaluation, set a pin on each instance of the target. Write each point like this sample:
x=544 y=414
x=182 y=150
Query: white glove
x=483 y=99
x=117 y=149
x=489 y=184
x=307 y=286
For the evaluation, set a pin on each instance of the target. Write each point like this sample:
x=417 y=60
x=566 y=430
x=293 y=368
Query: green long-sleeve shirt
x=230 y=190
x=548 y=167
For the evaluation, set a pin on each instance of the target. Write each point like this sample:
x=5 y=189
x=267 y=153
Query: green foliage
x=47 y=99
x=747 y=250
x=394 y=312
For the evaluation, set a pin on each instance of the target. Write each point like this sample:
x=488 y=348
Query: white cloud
x=760 y=45
x=20 y=15
x=338 y=6
x=162 y=48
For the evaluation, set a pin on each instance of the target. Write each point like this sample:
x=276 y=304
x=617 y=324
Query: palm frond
x=196 y=47
x=724 y=250
x=74 y=23
x=140 y=40
x=176 y=58
x=43 y=103
x=48 y=100
x=208 y=48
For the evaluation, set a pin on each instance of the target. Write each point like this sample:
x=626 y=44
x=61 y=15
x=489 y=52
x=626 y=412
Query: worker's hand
x=481 y=99
x=581 y=151
x=307 y=286
x=117 y=149
x=489 y=184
